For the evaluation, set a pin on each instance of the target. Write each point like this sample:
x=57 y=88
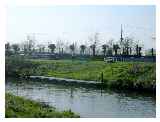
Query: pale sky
x=77 y=23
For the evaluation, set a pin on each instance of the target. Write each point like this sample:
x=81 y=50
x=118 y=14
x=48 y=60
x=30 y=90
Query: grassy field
x=137 y=75
x=18 y=107
x=122 y=74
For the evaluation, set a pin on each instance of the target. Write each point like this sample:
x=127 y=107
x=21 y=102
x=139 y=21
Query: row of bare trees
x=126 y=47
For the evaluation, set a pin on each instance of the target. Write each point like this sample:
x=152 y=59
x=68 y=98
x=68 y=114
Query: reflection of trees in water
x=134 y=100
x=137 y=95
x=71 y=93
x=71 y=101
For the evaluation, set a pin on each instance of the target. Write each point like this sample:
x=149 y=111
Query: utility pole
x=121 y=34
x=121 y=42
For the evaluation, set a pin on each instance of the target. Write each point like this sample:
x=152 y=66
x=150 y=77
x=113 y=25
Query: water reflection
x=87 y=101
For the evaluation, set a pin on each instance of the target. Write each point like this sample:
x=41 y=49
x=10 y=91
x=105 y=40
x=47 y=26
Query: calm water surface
x=87 y=102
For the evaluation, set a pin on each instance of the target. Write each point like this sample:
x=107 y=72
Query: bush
x=18 y=66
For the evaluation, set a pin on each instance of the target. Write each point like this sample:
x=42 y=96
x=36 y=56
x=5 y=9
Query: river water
x=86 y=101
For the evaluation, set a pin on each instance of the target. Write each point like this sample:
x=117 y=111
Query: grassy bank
x=18 y=107
x=137 y=75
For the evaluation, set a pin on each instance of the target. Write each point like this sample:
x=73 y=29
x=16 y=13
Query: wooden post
x=102 y=78
x=102 y=82
x=17 y=88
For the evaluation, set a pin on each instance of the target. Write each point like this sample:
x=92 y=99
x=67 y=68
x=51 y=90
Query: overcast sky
x=77 y=23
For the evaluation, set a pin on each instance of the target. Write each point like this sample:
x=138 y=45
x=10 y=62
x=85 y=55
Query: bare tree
x=94 y=43
x=16 y=48
x=31 y=43
x=82 y=49
x=41 y=48
x=28 y=46
x=66 y=48
x=93 y=48
x=152 y=52
x=138 y=48
x=52 y=47
x=60 y=46
x=7 y=49
x=110 y=48
x=72 y=48
x=104 y=49
x=25 y=47
x=127 y=46
x=139 y=51
x=115 y=48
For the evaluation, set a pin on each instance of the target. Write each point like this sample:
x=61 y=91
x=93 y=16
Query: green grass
x=18 y=107
x=139 y=75
x=122 y=74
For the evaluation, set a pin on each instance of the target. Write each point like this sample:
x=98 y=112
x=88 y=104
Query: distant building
x=44 y=55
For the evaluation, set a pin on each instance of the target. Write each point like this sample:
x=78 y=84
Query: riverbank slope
x=19 y=107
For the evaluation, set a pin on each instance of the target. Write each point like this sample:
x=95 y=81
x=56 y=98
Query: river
x=86 y=101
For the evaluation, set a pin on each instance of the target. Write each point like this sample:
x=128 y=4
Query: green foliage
x=19 y=107
x=52 y=47
x=18 y=66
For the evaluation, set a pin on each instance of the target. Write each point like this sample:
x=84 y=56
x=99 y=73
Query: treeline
x=125 y=47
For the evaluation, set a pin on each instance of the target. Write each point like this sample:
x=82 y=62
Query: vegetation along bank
x=19 y=107
x=126 y=75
